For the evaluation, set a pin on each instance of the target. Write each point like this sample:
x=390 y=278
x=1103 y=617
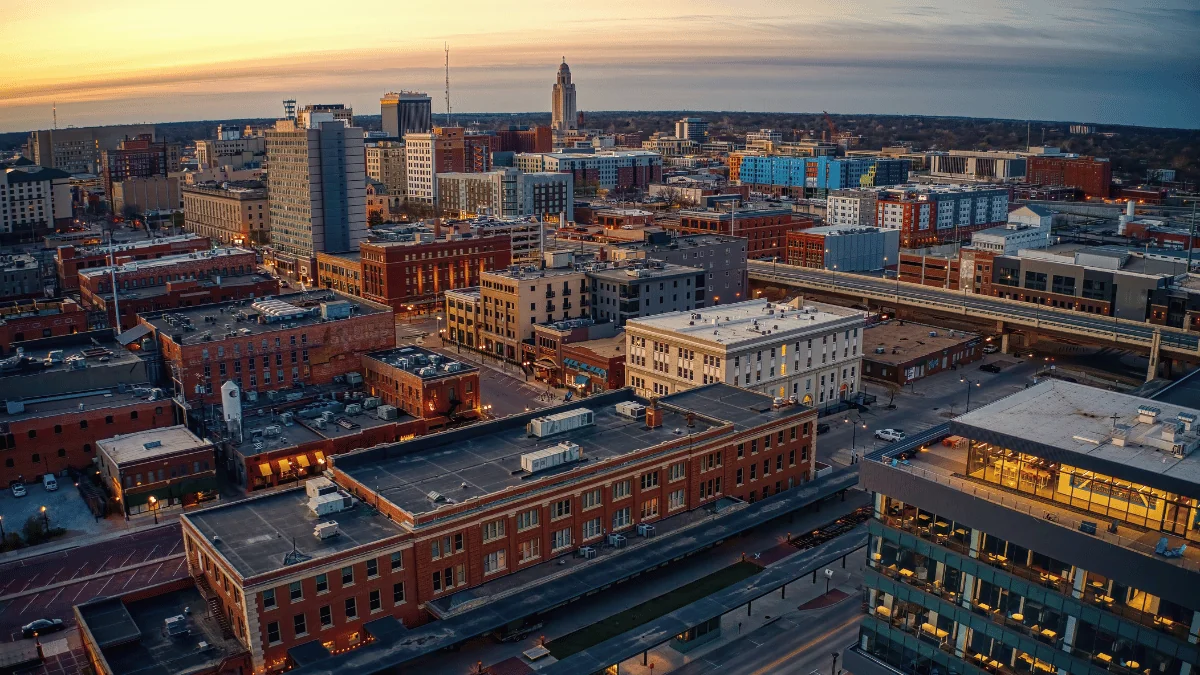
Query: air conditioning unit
x=586 y=552
x=325 y=530
x=645 y=530
x=319 y=486
x=371 y=402
x=548 y=458
x=616 y=540
x=560 y=422
x=631 y=409
x=354 y=409
x=272 y=430
x=387 y=412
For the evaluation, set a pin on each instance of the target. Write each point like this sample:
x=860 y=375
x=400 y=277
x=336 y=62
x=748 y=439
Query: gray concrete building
x=507 y=193
x=406 y=112
x=78 y=149
x=722 y=258
x=624 y=291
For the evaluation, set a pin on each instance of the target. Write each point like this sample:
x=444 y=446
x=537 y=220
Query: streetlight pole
x=45 y=519
x=154 y=508
x=833 y=670
x=969 y=383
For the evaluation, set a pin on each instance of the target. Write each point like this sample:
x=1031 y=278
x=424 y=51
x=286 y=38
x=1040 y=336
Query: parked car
x=822 y=428
x=18 y=489
x=889 y=435
x=990 y=349
x=50 y=482
x=990 y=368
x=41 y=627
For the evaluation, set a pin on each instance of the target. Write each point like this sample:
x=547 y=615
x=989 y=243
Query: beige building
x=464 y=316
x=386 y=163
x=156 y=193
x=229 y=213
x=236 y=153
x=514 y=300
x=810 y=352
x=340 y=112
x=77 y=149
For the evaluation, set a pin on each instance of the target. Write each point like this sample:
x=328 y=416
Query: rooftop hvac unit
x=176 y=625
x=325 y=530
x=354 y=409
x=645 y=530
x=286 y=418
x=453 y=367
x=616 y=540
x=251 y=395
x=354 y=378
x=387 y=412
x=334 y=502
x=272 y=430
x=371 y=403
x=560 y=422
x=586 y=552
x=631 y=409
x=320 y=423
x=548 y=458
x=319 y=486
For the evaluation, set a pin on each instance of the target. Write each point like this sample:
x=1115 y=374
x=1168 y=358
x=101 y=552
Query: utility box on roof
x=548 y=458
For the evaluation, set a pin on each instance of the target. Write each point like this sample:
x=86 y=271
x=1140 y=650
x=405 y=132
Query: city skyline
x=1118 y=64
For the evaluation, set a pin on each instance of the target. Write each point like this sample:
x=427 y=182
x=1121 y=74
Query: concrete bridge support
x=1000 y=328
x=1155 y=343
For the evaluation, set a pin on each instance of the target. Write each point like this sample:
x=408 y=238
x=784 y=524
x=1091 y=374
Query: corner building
x=1059 y=536
x=419 y=533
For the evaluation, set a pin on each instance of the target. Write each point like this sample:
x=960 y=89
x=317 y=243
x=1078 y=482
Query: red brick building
x=54 y=433
x=477 y=152
x=938 y=271
x=70 y=259
x=423 y=384
x=765 y=230
x=1090 y=175
x=518 y=139
x=1158 y=232
x=36 y=319
x=171 y=282
x=285 y=581
x=586 y=356
x=160 y=469
x=805 y=250
x=413 y=273
x=140 y=157
x=279 y=343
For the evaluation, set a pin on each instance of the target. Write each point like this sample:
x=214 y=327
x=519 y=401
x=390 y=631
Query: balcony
x=566 y=292
x=550 y=293
x=550 y=307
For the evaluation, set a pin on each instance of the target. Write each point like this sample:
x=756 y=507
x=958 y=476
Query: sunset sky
x=121 y=61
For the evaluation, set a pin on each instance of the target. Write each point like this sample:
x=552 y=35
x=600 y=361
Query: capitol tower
x=562 y=100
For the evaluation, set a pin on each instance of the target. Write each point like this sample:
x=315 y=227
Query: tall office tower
x=318 y=189
x=692 y=128
x=1054 y=531
x=140 y=157
x=441 y=150
x=562 y=101
x=339 y=111
x=406 y=112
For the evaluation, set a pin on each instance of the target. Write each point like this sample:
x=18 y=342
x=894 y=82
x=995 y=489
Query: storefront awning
x=545 y=362
x=320 y=457
x=302 y=460
x=265 y=470
x=581 y=379
x=285 y=466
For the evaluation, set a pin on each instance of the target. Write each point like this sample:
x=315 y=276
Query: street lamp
x=969 y=383
x=45 y=519
x=441 y=340
x=154 y=508
x=854 y=432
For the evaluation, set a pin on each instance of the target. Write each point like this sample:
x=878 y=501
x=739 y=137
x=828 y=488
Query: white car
x=990 y=349
x=18 y=489
x=889 y=435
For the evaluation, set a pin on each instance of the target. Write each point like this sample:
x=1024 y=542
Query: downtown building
x=78 y=150
x=69 y=259
x=406 y=112
x=765 y=228
x=722 y=258
x=230 y=212
x=928 y=215
x=799 y=177
x=563 y=114
x=387 y=163
x=1057 y=533
x=508 y=193
x=34 y=201
x=616 y=170
x=317 y=190
x=362 y=544
x=1089 y=176
x=810 y=353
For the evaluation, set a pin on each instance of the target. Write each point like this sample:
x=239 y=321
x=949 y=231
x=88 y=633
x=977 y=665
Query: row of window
x=325 y=614
x=321 y=585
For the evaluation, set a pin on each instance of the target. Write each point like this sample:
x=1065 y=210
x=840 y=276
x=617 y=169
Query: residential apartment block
x=811 y=353
x=507 y=193
x=799 y=177
x=34 y=201
x=388 y=164
x=764 y=228
x=602 y=170
x=723 y=258
x=931 y=215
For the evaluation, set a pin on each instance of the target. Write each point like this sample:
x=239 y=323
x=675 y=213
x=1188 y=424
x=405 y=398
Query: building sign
x=585 y=367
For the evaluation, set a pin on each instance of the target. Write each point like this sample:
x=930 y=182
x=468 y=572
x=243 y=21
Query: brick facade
x=1089 y=175
x=36 y=319
x=68 y=260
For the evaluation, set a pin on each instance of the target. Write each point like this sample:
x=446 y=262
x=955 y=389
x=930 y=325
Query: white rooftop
x=143 y=445
x=750 y=321
x=1101 y=424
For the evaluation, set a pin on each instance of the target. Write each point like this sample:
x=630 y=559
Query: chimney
x=654 y=416
x=437 y=228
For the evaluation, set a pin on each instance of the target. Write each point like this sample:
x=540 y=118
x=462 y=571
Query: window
x=437 y=581
x=560 y=509
x=300 y=625
x=531 y=549
x=326 y=616
x=741 y=450
x=739 y=476
x=649 y=480
x=493 y=530
x=435 y=550
x=791 y=458
x=397 y=561
x=295 y=591
x=351 y=609
x=677 y=499
x=621 y=518
x=268 y=597
x=753 y=472
x=561 y=539
x=372 y=568
x=273 y=636
x=347 y=576
x=620 y=490
x=677 y=471
x=398 y=593
x=527 y=520
x=591 y=499
x=779 y=463
x=322 y=583
x=650 y=508
x=375 y=601
x=754 y=447
x=591 y=529
x=494 y=562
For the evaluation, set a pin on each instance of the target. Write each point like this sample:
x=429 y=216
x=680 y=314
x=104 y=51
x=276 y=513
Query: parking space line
x=78 y=592
x=150 y=554
x=103 y=564
x=51 y=600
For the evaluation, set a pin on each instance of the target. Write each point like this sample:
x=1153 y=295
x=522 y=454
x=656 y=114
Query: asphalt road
x=917 y=293
x=47 y=586
x=798 y=644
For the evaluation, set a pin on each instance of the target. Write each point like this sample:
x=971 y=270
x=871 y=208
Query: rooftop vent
x=1147 y=414
x=1188 y=420
x=152 y=444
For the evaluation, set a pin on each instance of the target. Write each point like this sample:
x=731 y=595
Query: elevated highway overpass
x=1159 y=341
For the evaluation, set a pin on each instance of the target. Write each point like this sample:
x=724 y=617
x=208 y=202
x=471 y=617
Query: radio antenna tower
x=449 y=114
x=54 y=111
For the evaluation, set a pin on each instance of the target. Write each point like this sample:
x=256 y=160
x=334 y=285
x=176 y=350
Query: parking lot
x=64 y=508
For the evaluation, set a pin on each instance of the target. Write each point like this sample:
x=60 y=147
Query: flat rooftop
x=165 y=261
x=232 y=281
x=680 y=242
x=143 y=445
x=421 y=362
x=607 y=347
x=635 y=273
x=904 y=341
x=206 y=323
x=93 y=399
x=74 y=357
x=749 y=321
x=256 y=534
x=486 y=458
x=133 y=639
x=1078 y=423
